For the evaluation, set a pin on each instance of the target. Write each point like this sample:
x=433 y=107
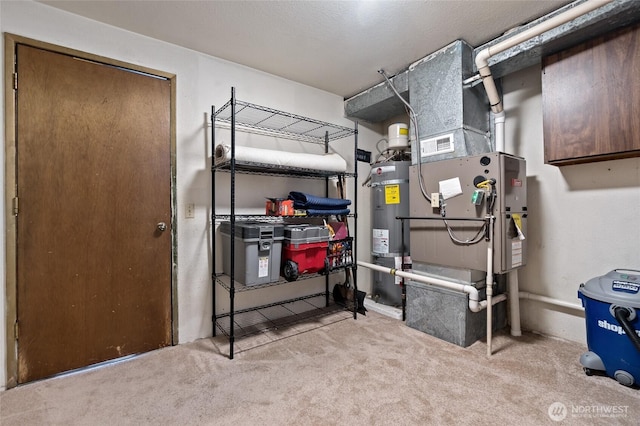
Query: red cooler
x=304 y=250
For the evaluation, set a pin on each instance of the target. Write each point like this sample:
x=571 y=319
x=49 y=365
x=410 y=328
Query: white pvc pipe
x=514 y=303
x=499 y=298
x=499 y=119
x=475 y=305
x=482 y=59
x=489 y=287
x=549 y=300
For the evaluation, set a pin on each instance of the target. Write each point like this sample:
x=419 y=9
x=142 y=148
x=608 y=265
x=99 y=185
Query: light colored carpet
x=371 y=371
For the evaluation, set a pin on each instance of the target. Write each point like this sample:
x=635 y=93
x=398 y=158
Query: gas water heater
x=390 y=199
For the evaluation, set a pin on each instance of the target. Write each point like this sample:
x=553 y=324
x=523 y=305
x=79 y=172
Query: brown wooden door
x=93 y=181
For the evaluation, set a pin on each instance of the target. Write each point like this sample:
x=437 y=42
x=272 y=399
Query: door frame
x=11 y=302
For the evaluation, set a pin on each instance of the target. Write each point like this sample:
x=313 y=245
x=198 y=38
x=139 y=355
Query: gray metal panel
x=435 y=85
x=379 y=103
x=430 y=241
x=443 y=106
x=445 y=314
x=475 y=104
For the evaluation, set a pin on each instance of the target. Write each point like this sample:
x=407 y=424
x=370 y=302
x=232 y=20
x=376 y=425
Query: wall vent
x=438 y=145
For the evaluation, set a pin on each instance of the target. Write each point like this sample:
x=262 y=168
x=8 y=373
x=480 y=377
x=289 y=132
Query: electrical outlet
x=190 y=211
x=435 y=200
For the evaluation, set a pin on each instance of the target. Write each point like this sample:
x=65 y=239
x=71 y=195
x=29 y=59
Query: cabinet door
x=591 y=99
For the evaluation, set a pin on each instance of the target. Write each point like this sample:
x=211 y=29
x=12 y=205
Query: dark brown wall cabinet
x=591 y=100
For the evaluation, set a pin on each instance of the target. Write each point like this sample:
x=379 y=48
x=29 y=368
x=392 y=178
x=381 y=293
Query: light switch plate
x=190 y=211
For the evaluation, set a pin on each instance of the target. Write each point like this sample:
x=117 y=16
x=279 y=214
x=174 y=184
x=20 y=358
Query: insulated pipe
x=475 y=305
x=549 y=300
x=482 y=59
x=497 y=299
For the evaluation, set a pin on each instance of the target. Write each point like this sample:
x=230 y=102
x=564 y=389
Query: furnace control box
x=458 y=244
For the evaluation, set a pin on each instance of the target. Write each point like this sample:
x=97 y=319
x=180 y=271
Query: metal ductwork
x=379 y=103
x=453 y=119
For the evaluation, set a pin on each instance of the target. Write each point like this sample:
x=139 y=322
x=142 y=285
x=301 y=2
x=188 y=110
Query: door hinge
x=15 y=206
x=15 y=330
x=15 y=81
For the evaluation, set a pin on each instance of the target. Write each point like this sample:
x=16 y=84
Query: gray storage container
x=305 y=234
x=257 y=251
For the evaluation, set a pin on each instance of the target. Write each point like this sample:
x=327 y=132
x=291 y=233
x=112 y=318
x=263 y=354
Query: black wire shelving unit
x=246 y=117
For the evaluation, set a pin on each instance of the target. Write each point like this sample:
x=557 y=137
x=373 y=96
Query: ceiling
x=336 y=46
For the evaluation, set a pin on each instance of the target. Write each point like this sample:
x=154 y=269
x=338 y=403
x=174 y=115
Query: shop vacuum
x=612 y=313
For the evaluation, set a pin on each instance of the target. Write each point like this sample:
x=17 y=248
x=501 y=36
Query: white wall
x=201 y=82
x=583 y=219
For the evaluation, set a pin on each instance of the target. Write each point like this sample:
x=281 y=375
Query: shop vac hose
x=622 y=315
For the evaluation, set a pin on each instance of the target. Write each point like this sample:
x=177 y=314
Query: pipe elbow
x=499 y=117
x=478 y=306
x=472 y=292
x=475 y=305
x=482 y=59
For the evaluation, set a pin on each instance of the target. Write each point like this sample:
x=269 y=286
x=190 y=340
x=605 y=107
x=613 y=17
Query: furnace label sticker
x=263 y=266
x=392 y=194
x=516 y=253
x=380 y=241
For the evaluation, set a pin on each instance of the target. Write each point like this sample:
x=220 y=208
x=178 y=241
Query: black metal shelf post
x=253 y=118
x=213 y=219
x=354 y=267
x=326 y=192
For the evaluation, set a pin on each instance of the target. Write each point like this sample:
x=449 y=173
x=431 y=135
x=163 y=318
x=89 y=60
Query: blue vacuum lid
x=620 y=287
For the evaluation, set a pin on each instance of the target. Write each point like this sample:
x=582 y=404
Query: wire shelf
x=254 y=168
x=279 y=123
x=258 y=320
x=224 y=282
x=272 y=219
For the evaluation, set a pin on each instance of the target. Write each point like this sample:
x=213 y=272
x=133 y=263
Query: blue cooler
x=612 y=312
